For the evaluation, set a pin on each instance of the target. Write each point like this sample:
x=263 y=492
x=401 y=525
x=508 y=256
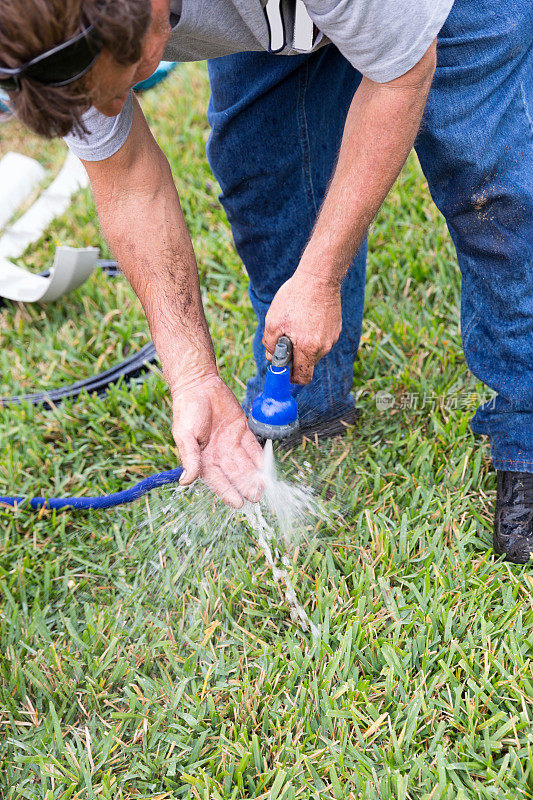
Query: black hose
x=132 y=368
x=110 y=267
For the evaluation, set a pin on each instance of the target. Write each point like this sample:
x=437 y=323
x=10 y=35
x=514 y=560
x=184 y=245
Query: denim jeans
x=276 y=124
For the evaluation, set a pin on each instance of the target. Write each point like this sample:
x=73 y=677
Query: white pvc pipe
x=72 y=267
x=19 y=176
x=54 y=201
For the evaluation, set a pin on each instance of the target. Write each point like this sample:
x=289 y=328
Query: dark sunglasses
x=59 y=66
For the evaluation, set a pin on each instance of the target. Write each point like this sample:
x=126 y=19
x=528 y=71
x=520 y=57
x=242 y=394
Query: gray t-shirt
x=382 y=39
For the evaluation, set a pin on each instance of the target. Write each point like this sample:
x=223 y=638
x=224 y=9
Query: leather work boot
x=513 y=518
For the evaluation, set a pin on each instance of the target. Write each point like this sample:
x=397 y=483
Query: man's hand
x=215 y=442
x=308 y=311
x=380 y=130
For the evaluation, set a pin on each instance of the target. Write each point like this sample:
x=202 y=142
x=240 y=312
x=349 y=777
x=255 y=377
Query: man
x=305 y=148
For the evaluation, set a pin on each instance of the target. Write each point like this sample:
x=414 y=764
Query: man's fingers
x=191 y=458
x=302 y=368
x=219 y=483
x=244 y=476
x=253 y=448
x=249 y=486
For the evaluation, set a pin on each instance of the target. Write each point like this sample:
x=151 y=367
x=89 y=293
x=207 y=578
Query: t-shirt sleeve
x=382 y=39
x=105 y=135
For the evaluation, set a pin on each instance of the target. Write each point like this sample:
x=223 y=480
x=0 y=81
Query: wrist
x=195 y=382
x=326 y=276
x=183 y=362
x=324 y=262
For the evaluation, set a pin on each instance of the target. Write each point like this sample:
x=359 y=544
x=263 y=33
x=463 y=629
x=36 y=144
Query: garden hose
x=102 y=501
x=129 y=369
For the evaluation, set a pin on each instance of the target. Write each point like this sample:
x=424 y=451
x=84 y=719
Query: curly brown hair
x=31 y=27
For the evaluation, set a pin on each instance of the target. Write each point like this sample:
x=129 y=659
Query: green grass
x=117 y=685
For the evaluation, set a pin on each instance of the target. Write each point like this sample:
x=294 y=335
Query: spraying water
x=270 y=472
x=192 y=529
x=286 y=503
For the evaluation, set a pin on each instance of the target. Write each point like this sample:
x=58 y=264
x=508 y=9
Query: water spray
x=274 y=416
x=274 y=412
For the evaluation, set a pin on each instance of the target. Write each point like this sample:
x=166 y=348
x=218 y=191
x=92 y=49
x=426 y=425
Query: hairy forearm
x=380 y=130
x=149 y=238
x=143 y=223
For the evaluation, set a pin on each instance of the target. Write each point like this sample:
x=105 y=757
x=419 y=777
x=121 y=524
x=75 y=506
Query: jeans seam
x=304 y=139
x=522 y=461
x=308 y=178
x=526 y=107
x=469 y=329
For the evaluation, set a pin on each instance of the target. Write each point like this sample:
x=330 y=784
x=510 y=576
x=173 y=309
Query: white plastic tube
x=72 y=267
x=19 y=176
x=54 y=201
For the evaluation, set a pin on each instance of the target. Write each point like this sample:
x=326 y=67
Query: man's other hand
x=215 y=442
x=308 y=311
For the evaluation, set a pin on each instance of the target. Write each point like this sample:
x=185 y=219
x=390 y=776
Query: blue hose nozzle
x=274 y=412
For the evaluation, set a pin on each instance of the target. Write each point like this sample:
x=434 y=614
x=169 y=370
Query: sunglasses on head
x=59 y=66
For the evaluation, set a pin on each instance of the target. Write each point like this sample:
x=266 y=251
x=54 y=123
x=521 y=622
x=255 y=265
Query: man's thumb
x=189 y=450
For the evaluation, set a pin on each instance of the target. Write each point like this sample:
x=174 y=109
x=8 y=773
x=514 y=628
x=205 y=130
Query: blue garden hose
x=104 y=500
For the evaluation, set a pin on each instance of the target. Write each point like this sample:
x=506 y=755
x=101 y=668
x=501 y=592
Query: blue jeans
x=276 y=123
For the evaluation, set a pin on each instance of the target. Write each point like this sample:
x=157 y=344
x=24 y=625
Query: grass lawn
x=119 y=681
